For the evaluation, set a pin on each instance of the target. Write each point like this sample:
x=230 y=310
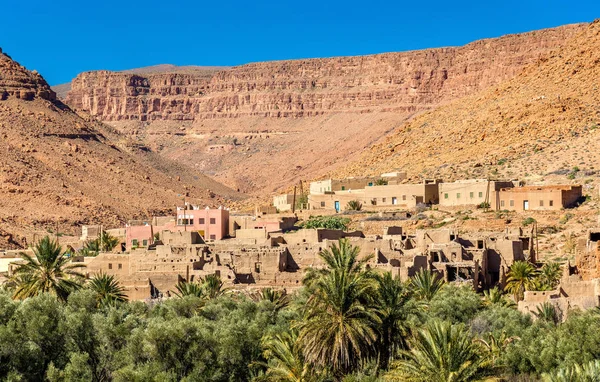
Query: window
x=541 y=203
x=370 y=184
x=213 y=221
x=445 y=196
x=322 y=204
x=213 y=237
x=134 y=242
x=502 y=203
x=511 y=203
x=120 y=266
x=458 y=195
x=394 y=200
x=144 y=243
x=551 y=203
x=343 y=188
x=383 y=200
x=201 y=221
x=109 y=266
x=480 y=194
x=404 y=197
x=471 y=195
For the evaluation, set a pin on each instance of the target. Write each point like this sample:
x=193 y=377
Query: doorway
x=337 y=206
x=525 y=205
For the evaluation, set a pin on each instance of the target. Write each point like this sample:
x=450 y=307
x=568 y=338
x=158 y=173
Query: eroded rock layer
x=399 y=82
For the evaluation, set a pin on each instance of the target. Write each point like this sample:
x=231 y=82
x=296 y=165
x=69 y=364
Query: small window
x=551 y=203
x=213 y=221
x=343 y=188
x=144 y=243
x=404 y=197
x=383 y=200
x=322 y=204
x=512 y=203
x=109 y=265
x=471 y=195
x=541 y=203
x=370 y=184
x=213 y=237
x=134 y=242
x=480 y=194
x=502 y=203
x=445 y=196
x=394 y=200
x=458 y=195
x=120 y=266
x=201 y=221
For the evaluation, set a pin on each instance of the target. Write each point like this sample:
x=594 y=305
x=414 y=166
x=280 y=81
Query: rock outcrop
x=18 y=82
x=399 y=82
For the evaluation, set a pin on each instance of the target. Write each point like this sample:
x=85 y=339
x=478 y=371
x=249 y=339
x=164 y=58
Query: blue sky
x=61 y=38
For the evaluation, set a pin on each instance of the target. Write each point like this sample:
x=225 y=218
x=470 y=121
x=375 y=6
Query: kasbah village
x=468 y=231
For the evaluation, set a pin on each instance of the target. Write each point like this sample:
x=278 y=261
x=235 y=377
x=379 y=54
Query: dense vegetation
x=348 y=323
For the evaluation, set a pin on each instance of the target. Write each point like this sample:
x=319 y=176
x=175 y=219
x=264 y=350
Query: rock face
x=397 y=82
x=18 y=82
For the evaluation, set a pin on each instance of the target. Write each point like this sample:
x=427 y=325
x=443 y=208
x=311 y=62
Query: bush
x=528 y=221
x=354 y=205
x=328 y=222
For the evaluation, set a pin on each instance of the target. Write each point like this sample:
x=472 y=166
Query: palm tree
x=395 y=308
x=495 y=344
x=547 y=312
x=212 y=286
x=442 y=352
x=107 y=242
x=48 y=271
x=91 y=248
x=285 y=361
x=425 y=284
x=549 y=276
x=107 y=288
x=521 y=277
x=354 y=205
x=495 y=296
x=589 y=372
x=185 y=289
x=279 y=298
x=339 y=329
x=343 y=256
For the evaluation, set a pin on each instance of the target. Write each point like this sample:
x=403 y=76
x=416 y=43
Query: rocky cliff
x=18 y=82
x=399 y=82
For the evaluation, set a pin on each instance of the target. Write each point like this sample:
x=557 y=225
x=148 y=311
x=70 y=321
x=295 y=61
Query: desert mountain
x=63 y=89
x=57 y=167
x=543 y=122
x=262 y=126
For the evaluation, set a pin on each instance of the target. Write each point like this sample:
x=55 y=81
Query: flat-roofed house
x=472 y=192
x=540 y=198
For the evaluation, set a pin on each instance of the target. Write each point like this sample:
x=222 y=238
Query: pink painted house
x=211 y=223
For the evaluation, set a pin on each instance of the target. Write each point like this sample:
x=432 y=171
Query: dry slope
x=57 y=166
x=541 y=123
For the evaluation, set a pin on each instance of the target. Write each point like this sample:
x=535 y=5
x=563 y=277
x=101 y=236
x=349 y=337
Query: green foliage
x=589 y=372
x=381 y=182
x=547 y=312
x=549 y=275
x=455 y=304
x=328 y=222
x=107 y=289
x=426 y=284
x=354 y=205
x=483 y=205
x=442 y=352
x=48 y=270
x=339 y=328
x=528 y=221
x=495 y=297
x=521 y=277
